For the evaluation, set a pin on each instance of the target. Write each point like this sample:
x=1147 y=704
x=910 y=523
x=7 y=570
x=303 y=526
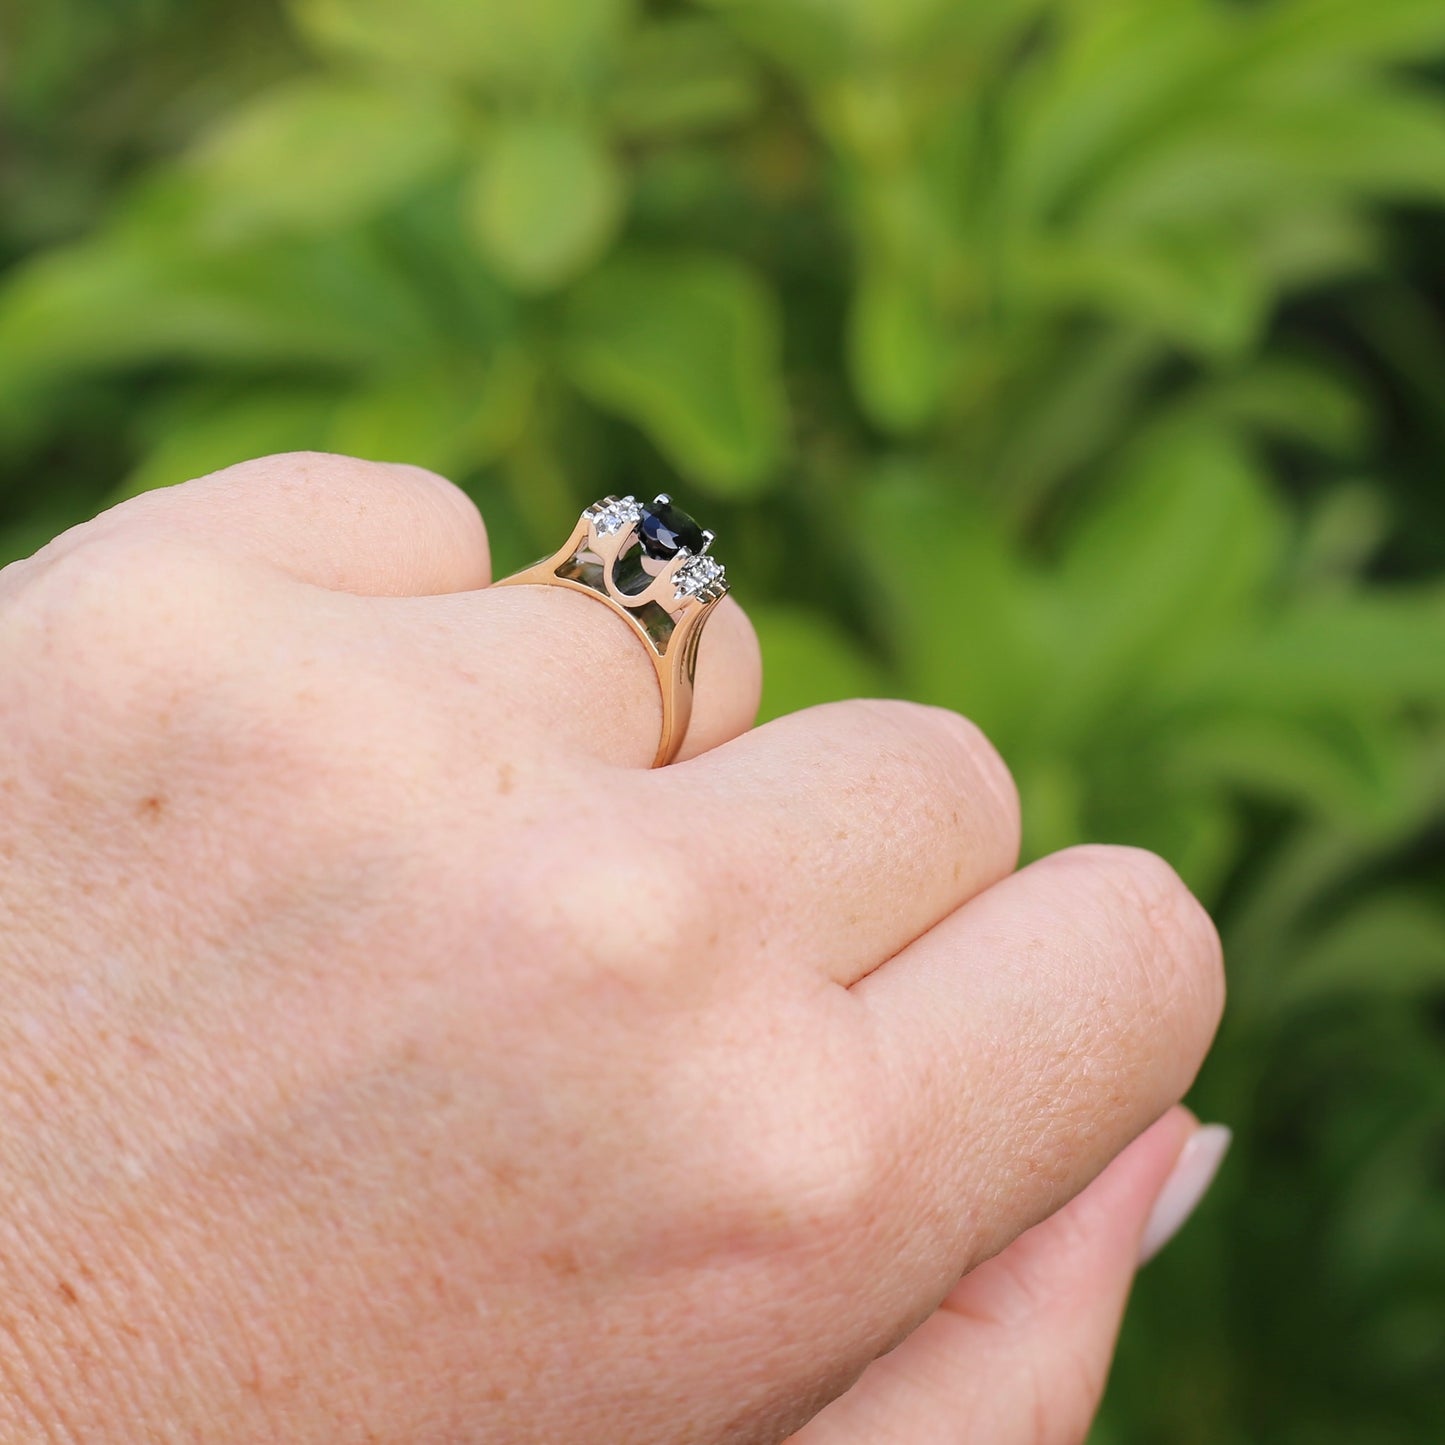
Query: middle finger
x=854 y=827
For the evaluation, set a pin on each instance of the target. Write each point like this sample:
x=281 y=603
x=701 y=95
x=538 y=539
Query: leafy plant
x=1043 y=358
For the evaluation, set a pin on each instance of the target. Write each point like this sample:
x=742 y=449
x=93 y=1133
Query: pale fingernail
x=1187 y=1184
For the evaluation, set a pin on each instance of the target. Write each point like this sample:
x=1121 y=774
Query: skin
x=387 y=1054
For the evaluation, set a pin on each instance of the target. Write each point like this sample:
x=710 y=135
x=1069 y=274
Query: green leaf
x=319 y=153
x=1307 y=245
x=1175 y=112
x=1341 y=532
x=686 y=347
x=811 y=39
x=1292 y=399
x=453 y=415
x=962 y=606
x=545 y=201
x=1199 y=289
x=144 y=296
x=1343 y=652
x=1173 y=556
x=864 y=32
x=1348 y=766
x=898 y=347
x=808 y=659
x=1052 y=793
x=1116 y=70
x=1390 y=943
x=681 y=75
x=1345 y=33
x=534 y=45
x=1072 y=397
x=1281 y=152
x=1198 y=832
x=207 y=431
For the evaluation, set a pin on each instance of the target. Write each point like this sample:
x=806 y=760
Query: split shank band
x=649 y=562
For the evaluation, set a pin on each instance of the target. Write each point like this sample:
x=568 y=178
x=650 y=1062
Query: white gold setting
x=614 y=514
x=698 y=575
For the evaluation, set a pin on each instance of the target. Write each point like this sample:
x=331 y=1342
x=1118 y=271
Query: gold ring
x=649 y=564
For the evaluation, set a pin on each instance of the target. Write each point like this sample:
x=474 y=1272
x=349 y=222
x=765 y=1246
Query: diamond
x=615 y=515
x=666 y=533
x=696 y=574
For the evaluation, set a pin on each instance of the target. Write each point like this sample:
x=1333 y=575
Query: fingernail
x=1187 y=1184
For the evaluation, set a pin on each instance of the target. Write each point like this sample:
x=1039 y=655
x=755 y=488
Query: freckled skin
x=387 y=1055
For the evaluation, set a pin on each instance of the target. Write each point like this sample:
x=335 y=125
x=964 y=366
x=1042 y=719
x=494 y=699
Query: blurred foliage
x=1073 y=363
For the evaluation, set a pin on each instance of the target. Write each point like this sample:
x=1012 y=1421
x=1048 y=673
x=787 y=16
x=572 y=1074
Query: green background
x=1079 y=364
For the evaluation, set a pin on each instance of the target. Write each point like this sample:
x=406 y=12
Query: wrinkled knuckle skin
x=1156 y=900
x=426 y=491
x=992 y=772
x=953 y=748
x=300 y=465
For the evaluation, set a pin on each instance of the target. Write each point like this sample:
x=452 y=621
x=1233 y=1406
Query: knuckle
x=120 y=597
x=952 y=747
x=123 y=661
x=86 y=568
x=1160 y=912
x=300 y=462
x=803 y=1201
x=615 y=922
x=815 y=1187
x=299 y=469
x=991 y=771
x=427 y=491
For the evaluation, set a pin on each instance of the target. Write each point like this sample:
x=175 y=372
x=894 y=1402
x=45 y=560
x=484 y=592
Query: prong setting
x=701 y=577
x=691 y=575
x=613 y=514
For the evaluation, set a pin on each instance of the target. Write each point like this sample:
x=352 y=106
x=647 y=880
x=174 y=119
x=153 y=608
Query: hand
x=387 y=1054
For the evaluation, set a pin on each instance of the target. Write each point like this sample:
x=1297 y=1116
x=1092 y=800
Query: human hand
x=388 y=1055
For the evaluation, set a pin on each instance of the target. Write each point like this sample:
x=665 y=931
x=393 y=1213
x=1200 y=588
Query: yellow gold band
x=649 y=564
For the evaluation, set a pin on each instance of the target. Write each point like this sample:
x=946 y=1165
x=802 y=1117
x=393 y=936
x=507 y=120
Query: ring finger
x=621 y=644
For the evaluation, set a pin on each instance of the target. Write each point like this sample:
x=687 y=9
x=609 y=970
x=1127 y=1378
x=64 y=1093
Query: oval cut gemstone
x=667 y=529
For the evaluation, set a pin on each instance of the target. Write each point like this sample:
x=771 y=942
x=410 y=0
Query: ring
x=648 y=563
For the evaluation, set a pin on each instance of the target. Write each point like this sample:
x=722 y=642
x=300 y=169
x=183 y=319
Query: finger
x=377 y=528
x=1027 y=1038
x=855 y=827
x=566 y=674
x=1019 y=1352
x=729 y=683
